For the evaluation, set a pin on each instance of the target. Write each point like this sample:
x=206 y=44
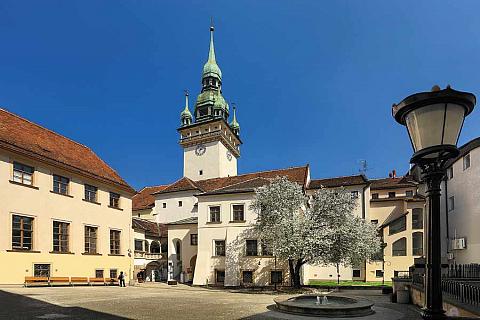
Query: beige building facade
x=65 y=213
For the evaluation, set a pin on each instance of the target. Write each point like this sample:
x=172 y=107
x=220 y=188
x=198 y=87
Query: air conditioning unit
x=459 y=244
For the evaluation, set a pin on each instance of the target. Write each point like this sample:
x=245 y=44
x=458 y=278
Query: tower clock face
x=229 y=155
x=200 y=149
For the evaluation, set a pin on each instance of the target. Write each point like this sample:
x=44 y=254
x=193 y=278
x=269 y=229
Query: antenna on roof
x=363 y=166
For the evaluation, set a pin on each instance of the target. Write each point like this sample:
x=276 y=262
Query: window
x=22 y=232
x=354 y=194
x=164 y=247
x=451 y=203
x=90 y=239
x=450 y=173
x=164 y=205
x=23 y=173
x=219 y=276
x=266 y=249
x=180 y=203
x=60 y=236
x=251 y=248
x=238 y=212
x=374 y=195
x=194 y=239
x=379 y=273
x=417 y=218
x=155 y=247
x=113 y=273
x=417 y=243
x=276 y=277
x=114 y=242
x=114 y=200
x=60 y=184
x=99 y=273
x=215 y=214
x=90 y=193
x=409 y=193
x=200 y=172
x=399 y=247
x=219 y=247
x=247 y=276
x=41 y=270
x=356 y=273
x=398 y=225
x=392 y=194
x=138 y=245
x=466 y=161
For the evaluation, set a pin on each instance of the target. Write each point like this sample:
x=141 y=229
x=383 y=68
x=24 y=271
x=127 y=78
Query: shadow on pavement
x=14 y=306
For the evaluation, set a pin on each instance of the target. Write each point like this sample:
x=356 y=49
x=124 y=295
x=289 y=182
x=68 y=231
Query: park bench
x=111 y=281
x=78 y=281
x=58 y=281
x=94 y=281
x=35 y=281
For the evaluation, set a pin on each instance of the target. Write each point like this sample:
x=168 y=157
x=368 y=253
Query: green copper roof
x=234 y=124
x=186 y=112
x=211 y=69
x=212 y=97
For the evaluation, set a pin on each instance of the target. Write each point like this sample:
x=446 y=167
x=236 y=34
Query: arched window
x=417 y=218
x=154 y=247
x=417 y=243
x=399 y=247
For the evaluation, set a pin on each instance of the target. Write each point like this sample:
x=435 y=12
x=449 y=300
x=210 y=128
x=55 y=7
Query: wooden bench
x=111 y=281
x=93 y=281
x=58 y=280
x=36 y=280
x=78 y=280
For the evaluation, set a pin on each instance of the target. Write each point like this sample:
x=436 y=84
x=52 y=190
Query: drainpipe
x=363 y=201
x=446 y=211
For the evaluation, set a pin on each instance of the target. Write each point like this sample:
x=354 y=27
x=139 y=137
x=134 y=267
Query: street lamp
x=434 y=121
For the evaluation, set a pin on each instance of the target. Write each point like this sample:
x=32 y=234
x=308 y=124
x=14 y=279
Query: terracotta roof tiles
x=338 y=182
x=144 y=199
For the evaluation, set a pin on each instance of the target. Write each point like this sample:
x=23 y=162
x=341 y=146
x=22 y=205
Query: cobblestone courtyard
x=158 y=301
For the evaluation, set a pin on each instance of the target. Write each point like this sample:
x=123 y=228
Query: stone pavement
x=159 y=301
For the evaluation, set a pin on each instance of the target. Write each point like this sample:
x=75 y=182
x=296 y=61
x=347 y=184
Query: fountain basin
x=337 y=306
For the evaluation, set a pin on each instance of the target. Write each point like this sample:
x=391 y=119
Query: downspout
x=446 y=212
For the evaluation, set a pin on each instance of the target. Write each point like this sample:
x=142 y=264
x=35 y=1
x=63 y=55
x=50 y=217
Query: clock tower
x=211 y=145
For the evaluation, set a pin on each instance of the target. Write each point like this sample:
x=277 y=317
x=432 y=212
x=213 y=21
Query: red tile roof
x=296 y=174
x=144 y=198
x=150 y=227
x=32 y=140
x=338 y=182
x=392 y=183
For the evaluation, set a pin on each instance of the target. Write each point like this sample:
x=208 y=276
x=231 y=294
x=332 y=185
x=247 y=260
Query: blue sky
x=313 y=81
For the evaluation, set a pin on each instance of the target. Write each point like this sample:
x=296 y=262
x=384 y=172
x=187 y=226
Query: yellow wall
x=45 y=207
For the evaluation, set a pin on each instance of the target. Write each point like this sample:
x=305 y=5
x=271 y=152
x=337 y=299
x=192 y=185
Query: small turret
x=186 y=116
x=234 y=124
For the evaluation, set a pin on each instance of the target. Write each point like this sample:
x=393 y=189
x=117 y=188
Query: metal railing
x=464 y=271
x=461 y=291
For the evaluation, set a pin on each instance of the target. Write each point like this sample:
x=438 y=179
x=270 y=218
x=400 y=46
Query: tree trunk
x=295 y=267
x=338 y=273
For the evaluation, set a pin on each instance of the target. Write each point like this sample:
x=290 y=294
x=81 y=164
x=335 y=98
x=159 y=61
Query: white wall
x=173 y=212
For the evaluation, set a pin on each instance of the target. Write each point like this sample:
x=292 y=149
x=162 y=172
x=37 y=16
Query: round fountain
x=322 y=306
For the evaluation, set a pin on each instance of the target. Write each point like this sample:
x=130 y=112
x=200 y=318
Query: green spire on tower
x=211 y=69
x=186 y=116
x=234 y=124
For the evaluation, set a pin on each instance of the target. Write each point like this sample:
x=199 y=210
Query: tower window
x=164 y=205
x=180 y=203
x=200 y=172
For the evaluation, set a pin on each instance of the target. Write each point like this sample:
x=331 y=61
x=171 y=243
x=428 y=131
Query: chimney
x=394 y=173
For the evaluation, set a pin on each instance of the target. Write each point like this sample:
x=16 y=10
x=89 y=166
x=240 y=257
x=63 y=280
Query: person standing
x=121 y=279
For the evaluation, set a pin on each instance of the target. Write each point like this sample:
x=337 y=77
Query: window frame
x=115 y=242
x=219 y=214
x=97 y=275
x=88 y=239
x=217 y=245
x=409 y=193
x=392 y=194
x=57 y=184
x=35 y=274
x=115 y=275
x=114 y=200
x=375 y=195
x=451 y=204
x=251 y=277
x=450 y=172
x=192 y=237
x=137 y=241
x=276 y=272
x=234 y=218
x=359 y=273
x=217 y=271
x=395 y=252
x=466 y=161
x=23 y=173
x=403 y=226
x=417 y=224
x=417 y=251
x=248 y=250
x=379 y=273
x=22 y=231
x=89 y=190
x=63 y=245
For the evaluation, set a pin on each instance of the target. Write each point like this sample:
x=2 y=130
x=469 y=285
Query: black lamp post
x=434 y=121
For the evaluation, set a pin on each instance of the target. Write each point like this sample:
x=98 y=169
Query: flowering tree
x=302 y=231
